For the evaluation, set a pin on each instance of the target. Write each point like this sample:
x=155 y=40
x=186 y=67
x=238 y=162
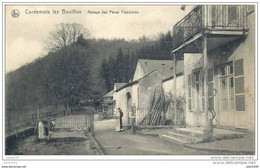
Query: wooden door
x=226 y=95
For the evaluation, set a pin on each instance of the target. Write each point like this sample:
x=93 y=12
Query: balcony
x=226 y=20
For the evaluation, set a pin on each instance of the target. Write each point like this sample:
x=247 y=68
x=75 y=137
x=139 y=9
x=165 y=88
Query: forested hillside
x=85 y=69
x=119 y=68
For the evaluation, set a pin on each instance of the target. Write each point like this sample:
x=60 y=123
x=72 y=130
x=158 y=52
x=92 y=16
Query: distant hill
x=103 y=49
x=24 y=86
x=91 y=66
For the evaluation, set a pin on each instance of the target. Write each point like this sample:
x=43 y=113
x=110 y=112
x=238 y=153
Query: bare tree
x=66 y=34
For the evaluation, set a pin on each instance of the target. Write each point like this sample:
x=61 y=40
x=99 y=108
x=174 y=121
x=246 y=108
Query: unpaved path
x=124 y=143
x=62 y=142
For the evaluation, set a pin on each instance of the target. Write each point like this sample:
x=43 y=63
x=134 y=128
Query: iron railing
x=210 y=17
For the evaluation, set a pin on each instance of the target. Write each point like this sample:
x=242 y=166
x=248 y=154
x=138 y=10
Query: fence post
x=87 y=119
x=38 y=114
x=92 y=122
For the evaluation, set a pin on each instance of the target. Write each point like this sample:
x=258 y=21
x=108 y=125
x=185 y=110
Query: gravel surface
x=62 y=142
x=124 y=143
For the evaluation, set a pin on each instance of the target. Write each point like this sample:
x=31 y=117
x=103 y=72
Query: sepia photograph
x=166 y=79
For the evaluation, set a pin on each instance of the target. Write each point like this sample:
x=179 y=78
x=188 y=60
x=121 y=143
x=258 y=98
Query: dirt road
x=124 y=143
x=62 y=142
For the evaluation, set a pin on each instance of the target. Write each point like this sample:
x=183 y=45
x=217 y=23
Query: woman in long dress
x=117 y=117
x=42 y=131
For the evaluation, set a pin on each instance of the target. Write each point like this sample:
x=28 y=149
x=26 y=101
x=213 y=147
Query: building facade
x=217 y=44
x=147 y=80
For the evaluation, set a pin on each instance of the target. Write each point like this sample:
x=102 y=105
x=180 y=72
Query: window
x=226 y=81
x=196 y=95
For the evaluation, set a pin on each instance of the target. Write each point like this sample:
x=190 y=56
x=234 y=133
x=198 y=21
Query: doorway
x=128 y=105
x=226 y=94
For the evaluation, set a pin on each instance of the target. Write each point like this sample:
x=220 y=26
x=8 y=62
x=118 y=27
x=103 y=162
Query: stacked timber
x=157 y=111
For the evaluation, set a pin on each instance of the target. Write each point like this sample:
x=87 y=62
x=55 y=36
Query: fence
x=17 y=120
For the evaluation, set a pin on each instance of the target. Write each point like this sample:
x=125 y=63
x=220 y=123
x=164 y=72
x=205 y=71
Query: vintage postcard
x=161 y=81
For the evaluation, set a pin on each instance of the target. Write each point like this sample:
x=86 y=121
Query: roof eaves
x=166 y=79
x=133 y=82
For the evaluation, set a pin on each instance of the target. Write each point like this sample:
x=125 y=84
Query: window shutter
x=240 y=102
x=239 y=69
x=239 y=85
x=239 y=82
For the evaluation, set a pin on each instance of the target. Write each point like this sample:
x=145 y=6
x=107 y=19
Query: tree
x=70 y=77
x=66 y=34
x=126 y=68
x=105 y=73
x=120 y=66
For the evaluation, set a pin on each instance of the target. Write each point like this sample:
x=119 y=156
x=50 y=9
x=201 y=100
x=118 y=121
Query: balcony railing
x=211 y=17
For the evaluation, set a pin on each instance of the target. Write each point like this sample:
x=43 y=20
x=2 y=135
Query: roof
x=156 y=65
x=92 y=95
x=109 y=94
x=172 y=77
x=167 y=70
x=133 y=82
x=163 y=66
x=119 y=85
x=166 y=79
x=179 y=70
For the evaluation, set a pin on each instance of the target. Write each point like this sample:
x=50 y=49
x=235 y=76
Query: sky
x=26 y=35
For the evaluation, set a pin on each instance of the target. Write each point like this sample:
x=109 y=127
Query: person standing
x=117 y=117
x=42 y=130
x=120 y=118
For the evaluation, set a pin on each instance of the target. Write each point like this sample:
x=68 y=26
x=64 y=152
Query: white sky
x=26 y=35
